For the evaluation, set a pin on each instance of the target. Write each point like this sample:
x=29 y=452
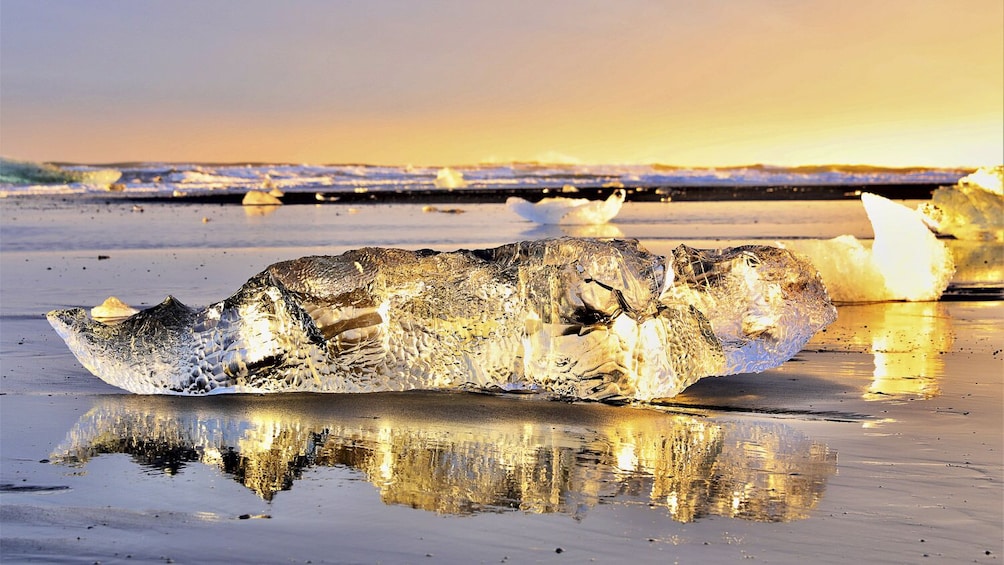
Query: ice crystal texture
x=574 y=318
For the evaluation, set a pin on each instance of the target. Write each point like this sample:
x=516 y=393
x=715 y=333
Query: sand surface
x=881 y=442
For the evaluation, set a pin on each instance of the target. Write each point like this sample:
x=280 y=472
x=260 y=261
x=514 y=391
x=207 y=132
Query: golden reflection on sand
x=907 y=339
x=490 y=455
x=259 y=211
x=978 y=263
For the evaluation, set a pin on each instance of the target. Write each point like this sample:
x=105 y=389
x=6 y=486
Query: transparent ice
x=972 y=209
x=574 y=318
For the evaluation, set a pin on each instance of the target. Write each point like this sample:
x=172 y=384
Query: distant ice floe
x=973 y=209
x=905 y=262
x=568 y=211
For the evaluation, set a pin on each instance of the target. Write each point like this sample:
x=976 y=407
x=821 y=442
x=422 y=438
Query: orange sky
x=896 y=82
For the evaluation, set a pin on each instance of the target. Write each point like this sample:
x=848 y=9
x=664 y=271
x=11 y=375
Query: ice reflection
x=907 y=340
x=260 y=210
x=465 y=454
x=978 y=264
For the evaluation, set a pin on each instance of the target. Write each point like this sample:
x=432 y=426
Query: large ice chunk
x=973 y=209
x=576 y=318
x=905 y=261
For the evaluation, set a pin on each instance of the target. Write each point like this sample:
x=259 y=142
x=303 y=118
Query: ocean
x=481 y=182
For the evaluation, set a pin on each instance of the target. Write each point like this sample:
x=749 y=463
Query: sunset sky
x=683 y=82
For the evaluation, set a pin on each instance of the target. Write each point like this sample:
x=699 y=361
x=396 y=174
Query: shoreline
x=475 y=195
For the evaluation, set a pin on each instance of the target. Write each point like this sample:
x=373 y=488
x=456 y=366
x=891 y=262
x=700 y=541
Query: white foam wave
x=189 y=177
x=450 y=178
x=205 y=180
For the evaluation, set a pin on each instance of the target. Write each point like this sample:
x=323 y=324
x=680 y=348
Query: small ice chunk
x=568 y=211
x=913 y=263
x=905 y=261
x=260 y=198
x=990 y=179
x=112 y=309
x=973 y=209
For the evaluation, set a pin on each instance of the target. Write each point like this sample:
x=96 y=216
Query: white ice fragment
x=973 y=209
x=914 y=264
x=568 y=211
x=112 y=309
x=990 y=179
x=259 y=198
x=905 y=262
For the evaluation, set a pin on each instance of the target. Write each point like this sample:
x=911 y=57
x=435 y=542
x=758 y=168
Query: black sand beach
x=881 y=442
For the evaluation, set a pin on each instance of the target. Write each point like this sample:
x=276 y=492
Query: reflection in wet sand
x=907 y=339
x=464 y=453
x=978 y=263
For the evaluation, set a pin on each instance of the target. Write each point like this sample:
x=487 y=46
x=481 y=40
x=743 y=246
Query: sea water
x=172 y=178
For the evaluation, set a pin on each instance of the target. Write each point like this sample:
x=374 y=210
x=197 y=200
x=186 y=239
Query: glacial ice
x=905 y=261
x=261 y=198
x=568 y=211
x=973 y=209
x=112 y=309
x=575 y=318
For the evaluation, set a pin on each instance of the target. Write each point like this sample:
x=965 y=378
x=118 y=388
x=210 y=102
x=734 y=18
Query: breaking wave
x=169 y=178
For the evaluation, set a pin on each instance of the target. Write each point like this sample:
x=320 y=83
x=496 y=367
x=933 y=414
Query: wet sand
x=881 y=442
